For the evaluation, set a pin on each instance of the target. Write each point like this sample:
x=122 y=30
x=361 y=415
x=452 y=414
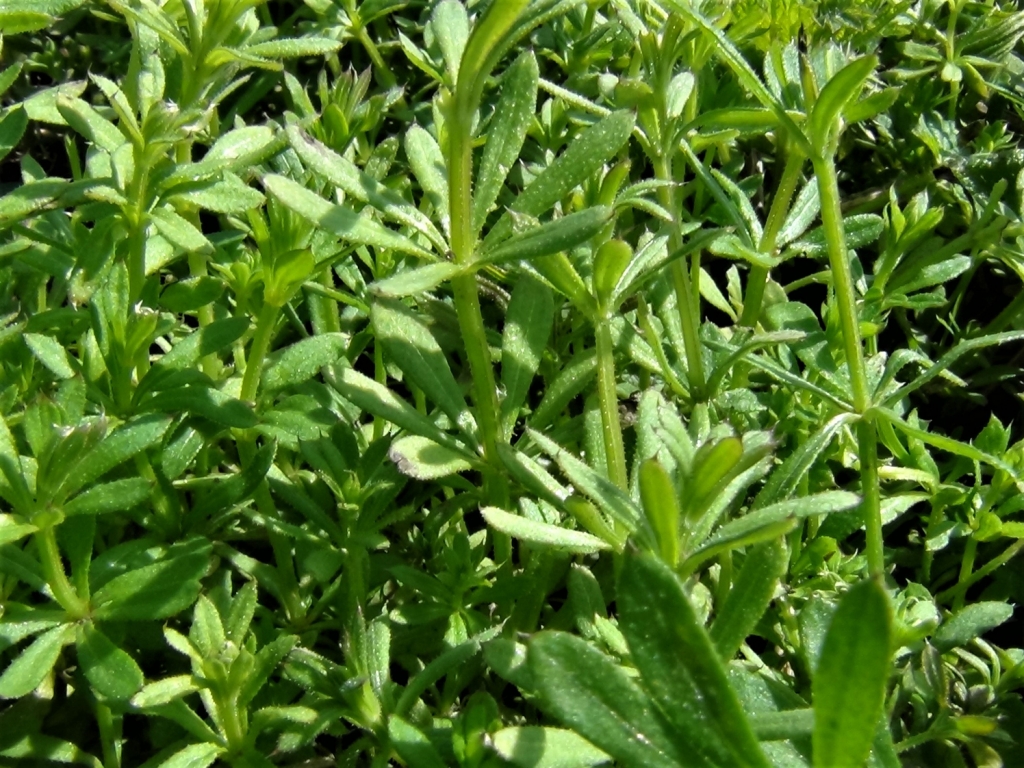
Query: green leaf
x=749 y=597
x=768 y=523
x=343 y=222
x=190 y=294
x=428 y=165
x=37 y=747
x=237 y=488
x=164 y=691
x=450 y=25
x=380 y=401
x=154 y=591
x=194 y=756
x=110 y=670
x=26 y=672
x=680 y=668
x=728 y=53
x=179 y=231
x=839 y=91
x=82 y=117
x=412 y=347
x=661 y=506
x=610 y=498
x=970 y=622
x=581 y=160
x=12 y=127
x=534 y=746
x=543 y=535
x=51 y=354
x=850 y=680
x=561 y=234
x=587 y=691
x=409 y=282
x=360 y=186
x=482 y=51
x=302 y=360
x=423 y=459
x=528 y=323
x=512 y=117
x=411 y=745
x=228 y=194
x=119 y=446
x=30 y=198
x=204 y=401
x=116 y=496
x=294 y=48
x=12 y=529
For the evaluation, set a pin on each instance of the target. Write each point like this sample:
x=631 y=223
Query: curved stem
x=688 y=311
x=846 y=301
x=776 y=217
x=56 y=578
x=258 y=352
x=611 y=430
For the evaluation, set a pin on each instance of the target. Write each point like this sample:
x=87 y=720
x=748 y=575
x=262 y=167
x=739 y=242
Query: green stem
x=842 y=279
x=992 y=565
x=688 y=314
x=966 y=569
x=53 y=571
x=611 y=430
x=846 y=300
x=258 y=351
x=776 y=217
x=867 y=441
x=474 y=336
x=467 y=298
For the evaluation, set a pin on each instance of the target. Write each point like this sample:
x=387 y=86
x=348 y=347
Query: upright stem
x=467 y=299
x=846 y=300
x=842 y=279
x=611 y=431
x=776 y=216
x=247 y=450
x=688 y=315
x=53 y=571
x=258 y=352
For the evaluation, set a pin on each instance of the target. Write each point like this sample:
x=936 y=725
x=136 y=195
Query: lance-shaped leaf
x=413 y=349
x=428 y=165
x=768 y=523
x=839 y=91
x=512 y=117
x=422 y=458
x=562 y=234
x=342 y=221
x=27 y=671
x=533 y=746
x=595 y=146
x=109 y=669
x=680 y=668
x=301 y=360
x=528 y=322
x=749 y=597
x=154 y=591
x=380 y=401
x=117 y=447
x=542 y=535
x=590 y=693
x=850 y=680
x=409 y=282
x=346 y=176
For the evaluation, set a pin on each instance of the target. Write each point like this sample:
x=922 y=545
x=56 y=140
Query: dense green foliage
x=511 y=383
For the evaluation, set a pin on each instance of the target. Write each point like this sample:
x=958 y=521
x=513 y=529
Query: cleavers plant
x=526 y=383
